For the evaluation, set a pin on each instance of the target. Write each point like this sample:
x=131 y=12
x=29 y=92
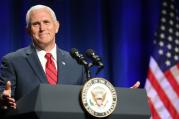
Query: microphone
x=79 y=57
x=95 y=58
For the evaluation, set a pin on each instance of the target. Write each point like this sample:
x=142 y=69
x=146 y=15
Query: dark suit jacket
x=24 y=70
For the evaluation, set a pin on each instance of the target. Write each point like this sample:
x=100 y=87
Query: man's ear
x=57 y=27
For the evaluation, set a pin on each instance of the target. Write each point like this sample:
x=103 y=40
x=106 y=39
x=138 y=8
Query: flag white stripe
x=175 y=71
x=157 y=103
x=165 y=85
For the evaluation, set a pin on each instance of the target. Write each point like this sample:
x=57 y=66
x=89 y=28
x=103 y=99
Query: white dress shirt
x=41 y=55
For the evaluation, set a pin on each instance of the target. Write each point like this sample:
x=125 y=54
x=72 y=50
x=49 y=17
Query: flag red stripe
x=172 y=81
x=162 y=95
x=154 y=112
x=177 y=66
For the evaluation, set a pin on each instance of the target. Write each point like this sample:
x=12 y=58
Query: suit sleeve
x=7 y=73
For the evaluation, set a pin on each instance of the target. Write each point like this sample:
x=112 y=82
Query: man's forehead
x=40 y=14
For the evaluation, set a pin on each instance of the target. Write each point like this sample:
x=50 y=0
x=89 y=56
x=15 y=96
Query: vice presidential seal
x=99 y=97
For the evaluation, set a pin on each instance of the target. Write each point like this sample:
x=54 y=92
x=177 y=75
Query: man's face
x=43 y=28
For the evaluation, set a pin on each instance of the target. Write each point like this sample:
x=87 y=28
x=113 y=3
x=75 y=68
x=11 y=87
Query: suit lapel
x=35 y=64
x=60 y=64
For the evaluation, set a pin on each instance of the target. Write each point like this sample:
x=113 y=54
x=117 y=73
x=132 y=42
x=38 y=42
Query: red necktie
x=50 y=69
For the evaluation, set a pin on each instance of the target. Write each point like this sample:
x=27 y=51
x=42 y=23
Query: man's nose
x=42 y=27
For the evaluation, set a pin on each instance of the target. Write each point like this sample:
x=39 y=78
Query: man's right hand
x=6 y=100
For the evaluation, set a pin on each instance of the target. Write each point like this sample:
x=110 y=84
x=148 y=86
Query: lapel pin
x=63 y=63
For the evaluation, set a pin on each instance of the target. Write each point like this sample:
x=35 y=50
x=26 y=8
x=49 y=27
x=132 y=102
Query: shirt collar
x=53 y=52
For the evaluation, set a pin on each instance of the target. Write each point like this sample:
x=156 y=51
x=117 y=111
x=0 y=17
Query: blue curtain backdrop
x=120 y=31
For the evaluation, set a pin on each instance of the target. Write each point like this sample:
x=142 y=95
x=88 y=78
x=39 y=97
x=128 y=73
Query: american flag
x=162 y=84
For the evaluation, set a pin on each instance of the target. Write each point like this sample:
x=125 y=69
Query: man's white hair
x=36 y=7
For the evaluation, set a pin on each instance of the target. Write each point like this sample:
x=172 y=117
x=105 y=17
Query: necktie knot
x=48 y=56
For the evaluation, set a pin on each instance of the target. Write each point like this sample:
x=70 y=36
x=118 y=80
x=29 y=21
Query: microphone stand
x=99 y=69
x=87 y=70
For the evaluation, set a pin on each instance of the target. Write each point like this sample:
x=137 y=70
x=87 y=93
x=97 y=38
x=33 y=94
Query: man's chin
x=45 y=46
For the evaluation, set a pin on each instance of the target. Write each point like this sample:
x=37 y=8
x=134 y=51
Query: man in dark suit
x=41 y=62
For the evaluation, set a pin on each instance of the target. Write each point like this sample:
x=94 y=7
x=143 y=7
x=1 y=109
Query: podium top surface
x=61 y=100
